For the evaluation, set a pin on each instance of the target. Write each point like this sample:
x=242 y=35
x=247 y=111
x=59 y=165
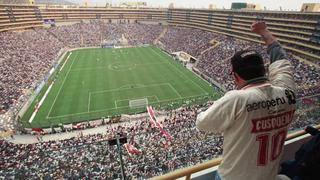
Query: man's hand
x=261 y=29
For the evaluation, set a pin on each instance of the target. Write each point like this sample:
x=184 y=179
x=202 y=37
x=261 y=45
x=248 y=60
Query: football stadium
x=108 y=82
x=133 y=89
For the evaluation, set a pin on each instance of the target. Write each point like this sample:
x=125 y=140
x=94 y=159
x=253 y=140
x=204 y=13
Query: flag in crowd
x=157 y=124
x=131 y=149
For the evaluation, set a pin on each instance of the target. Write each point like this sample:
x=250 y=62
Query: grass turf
x=98 y=82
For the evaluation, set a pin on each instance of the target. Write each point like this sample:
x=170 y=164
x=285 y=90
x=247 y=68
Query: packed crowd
x=78 y=35
x=142 y=33
x=92 y=156
x=307 y=113
x=215 y=64
x=25 y=58
x=191 y=41
x=92 y=33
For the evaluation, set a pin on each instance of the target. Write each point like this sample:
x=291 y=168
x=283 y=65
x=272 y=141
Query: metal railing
x=187 y=172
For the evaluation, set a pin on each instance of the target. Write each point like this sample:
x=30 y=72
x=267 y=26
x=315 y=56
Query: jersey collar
x=255 y=82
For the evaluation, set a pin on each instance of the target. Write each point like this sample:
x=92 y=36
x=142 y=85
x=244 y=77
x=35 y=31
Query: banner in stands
x=49 y=21
x=154 y=121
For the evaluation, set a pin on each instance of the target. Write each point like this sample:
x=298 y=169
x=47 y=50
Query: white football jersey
x=254 y=122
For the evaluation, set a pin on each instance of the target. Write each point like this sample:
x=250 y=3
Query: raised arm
x=280 y=69
x=275 y=50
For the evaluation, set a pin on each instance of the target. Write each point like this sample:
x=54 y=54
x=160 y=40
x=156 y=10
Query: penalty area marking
x=102 y=110
x=130 y=88
x=119 y=100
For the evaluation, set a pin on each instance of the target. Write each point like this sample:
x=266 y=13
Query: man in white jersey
x=255 y=117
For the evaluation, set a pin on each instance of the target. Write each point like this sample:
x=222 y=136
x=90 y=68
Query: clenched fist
x=259 y=27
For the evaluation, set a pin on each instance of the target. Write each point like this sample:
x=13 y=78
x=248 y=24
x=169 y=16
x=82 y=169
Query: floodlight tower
x=85 y=3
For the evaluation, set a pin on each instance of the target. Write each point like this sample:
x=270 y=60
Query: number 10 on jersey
x=270 y=151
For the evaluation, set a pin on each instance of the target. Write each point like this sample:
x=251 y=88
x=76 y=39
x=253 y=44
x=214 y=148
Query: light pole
x=119 y=141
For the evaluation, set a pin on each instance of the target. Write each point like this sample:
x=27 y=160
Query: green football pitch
x=100 y=82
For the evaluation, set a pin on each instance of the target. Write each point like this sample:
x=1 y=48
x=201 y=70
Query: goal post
x=138 y=103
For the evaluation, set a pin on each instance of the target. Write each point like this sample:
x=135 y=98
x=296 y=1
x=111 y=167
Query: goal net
x=138 y=103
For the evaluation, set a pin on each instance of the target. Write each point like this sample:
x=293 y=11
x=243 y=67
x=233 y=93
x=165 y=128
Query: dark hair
x=248 y=64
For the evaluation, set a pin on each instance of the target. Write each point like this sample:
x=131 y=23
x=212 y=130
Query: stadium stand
x=14 y=2
x=29 y=55
x=17 y=17
x=92 y=157
x=295 y=30
x=53 y=2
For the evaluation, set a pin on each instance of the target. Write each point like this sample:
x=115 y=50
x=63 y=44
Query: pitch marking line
x=157 y=99
x=129 y=88
x=103 y=110
x=40 y=104
x=175 y=90
x=65 y=62
x=115 y=104
x=143 y=86
x=119 y=100
x=129 y=85
x=64 y=80
x=110 y=66
x=89 y=101
x=181 y=72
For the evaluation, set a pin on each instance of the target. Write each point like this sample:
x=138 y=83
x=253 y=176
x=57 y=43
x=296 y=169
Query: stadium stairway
x=161 y=34
x=214 y=42
x=59 y=39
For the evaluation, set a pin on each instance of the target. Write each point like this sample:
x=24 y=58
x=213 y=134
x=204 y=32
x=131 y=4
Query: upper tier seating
x=17 y=17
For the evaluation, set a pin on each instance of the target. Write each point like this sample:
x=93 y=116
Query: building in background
x=52 y=2
x=310 y=7
x=14 y=1
x=212 y=6
x=136 y=4
x=245 y=6
x=171 y=6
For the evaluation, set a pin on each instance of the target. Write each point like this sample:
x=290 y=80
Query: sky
x=269 y=4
